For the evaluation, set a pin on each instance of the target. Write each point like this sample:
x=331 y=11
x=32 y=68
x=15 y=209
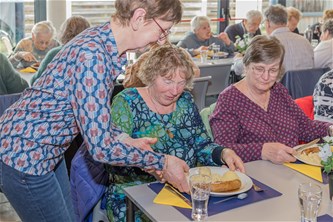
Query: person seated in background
x=250 y=26
x=294 y=16
x=323 y=53
x=201 y=37
x=323 y=98
x=33 y=49
x=316 y=28
x=10 y=79
x=298 y=50
x=73 y=26
x=164 y=110
x=256 y=117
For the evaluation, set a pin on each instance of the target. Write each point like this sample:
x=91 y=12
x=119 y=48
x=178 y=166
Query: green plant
x=326 y=154
x=242 y=44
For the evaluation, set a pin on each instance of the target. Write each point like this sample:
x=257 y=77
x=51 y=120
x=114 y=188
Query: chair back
x=7 y=100
x=205 y=113
x=200 y=86
x=306 y=104
x=301 y=83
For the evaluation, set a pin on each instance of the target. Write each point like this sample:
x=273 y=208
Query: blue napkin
x=213 y=209
x=325 y=218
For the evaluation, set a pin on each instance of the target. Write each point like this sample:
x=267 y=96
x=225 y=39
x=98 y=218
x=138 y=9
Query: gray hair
x=276 y=14
x=44 y=27
x=328 y=26
x=197 y=22
x=253 y=15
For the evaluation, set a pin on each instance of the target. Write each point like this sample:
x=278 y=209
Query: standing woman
x=73 y=97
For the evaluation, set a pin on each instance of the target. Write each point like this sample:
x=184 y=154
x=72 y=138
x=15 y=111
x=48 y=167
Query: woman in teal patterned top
x=163 y=110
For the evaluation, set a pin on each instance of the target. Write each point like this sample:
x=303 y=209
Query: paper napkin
x=308 y=170
x=168 y=198
x=28 y=70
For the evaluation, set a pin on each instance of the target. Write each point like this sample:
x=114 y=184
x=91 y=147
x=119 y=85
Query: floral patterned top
x=190 y=141
x=72 y=95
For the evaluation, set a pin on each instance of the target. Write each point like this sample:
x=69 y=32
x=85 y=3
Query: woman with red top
x=256 y=117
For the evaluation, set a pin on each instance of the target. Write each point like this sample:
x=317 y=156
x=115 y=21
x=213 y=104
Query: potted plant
x=242 y=44
x=326 y=156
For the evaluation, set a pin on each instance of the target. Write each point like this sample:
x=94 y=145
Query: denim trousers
x=38 y=198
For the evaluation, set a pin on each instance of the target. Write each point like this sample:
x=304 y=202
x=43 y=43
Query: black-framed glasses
x=164 y=34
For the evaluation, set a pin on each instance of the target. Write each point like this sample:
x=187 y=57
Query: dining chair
x=301 y=83
x=205 y=113
x=200 y=86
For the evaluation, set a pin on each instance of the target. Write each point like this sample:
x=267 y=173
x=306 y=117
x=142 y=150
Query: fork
x=257 y=188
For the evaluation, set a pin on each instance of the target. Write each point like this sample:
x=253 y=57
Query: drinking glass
x=216 y=50
x=309 y=196
x=200 y=190
x=203 y=55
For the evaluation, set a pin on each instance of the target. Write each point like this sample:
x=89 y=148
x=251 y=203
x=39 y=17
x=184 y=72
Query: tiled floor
x=7 y=213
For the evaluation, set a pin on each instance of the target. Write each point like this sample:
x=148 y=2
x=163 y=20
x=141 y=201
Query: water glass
x=309 y=196
x=216 y=50
x=203 y=55
x=200 y=190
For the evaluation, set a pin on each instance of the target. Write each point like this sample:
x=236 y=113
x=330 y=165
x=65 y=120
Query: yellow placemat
x=28 y=70
x=308 y=170
x=167 y=198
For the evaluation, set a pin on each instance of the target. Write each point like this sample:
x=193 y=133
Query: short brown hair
x=264 y=49
x=165 y=60
x=167 y=10
x=328 y=14
x=294 y=12
x=73 y=26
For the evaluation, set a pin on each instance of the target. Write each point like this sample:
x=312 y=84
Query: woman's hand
x=174 y=172
x=233 y=161
x=277 y=153
x=225 y=38
x=142 y=143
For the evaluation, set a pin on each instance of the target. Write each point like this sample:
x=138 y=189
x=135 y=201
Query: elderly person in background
x=256 y=117
x=323 y=53
x=33 y=49
x=294 y=16
x=250 y=26
x=316 y=28
x=201 y=37
x=298 y=50
x=164 y=110
x=69 y=29
x=10 y=79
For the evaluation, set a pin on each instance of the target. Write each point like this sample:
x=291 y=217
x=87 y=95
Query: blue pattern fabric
x=72 y=96
x=190 y=141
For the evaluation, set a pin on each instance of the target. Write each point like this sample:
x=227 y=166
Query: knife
x=300 y=148
x=176 y=192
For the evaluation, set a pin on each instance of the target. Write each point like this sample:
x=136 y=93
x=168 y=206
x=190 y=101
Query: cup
x=309 y=196
x=216 y=50
x=203 y=55
x=200 y=190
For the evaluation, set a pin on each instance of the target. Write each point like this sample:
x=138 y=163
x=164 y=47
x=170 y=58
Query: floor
x=7 y=213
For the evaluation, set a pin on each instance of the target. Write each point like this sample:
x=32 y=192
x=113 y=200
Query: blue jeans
x=38 y=198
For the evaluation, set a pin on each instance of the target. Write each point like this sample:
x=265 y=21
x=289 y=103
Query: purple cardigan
x=240 y=124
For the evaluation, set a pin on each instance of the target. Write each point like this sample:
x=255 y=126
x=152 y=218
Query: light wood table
x=282 y=208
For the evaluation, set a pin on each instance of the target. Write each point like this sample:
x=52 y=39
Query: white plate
x=297 y=156
x=246 y=181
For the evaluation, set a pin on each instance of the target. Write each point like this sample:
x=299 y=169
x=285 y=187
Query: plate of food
x=226 y=182
x=308 y=155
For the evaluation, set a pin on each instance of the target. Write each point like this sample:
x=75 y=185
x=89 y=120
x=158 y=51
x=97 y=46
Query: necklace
x=261 y=104
x=167 y=130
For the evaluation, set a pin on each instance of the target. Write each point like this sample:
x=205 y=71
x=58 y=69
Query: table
x=219 y=70
x=282 y=208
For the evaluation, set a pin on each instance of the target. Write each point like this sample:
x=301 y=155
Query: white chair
x=200 y=86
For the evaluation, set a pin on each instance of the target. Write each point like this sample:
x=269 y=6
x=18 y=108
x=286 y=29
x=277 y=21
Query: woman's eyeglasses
x=259 y=71
x=164 y=34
